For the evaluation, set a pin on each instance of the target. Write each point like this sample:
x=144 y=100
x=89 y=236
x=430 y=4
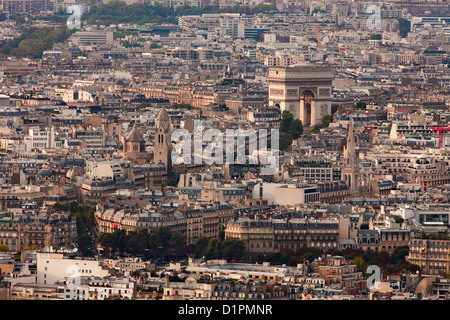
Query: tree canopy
x=388 y=263
x=326 y=120
x=86 y=225
x=290 y=129
x=157 y=243
x=217 y=248
x=404 y=27
x=115 y=12
x=33 y=42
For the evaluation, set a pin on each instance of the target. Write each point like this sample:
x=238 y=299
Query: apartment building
x=154 y=174
x=290 y=195
x=92 y=37
x=97 y=288
x=266 y=236
x=431 y=255
x=90 y=137
x=242 y=103
x=392 y=238
x=192 y=222
x=441 y=288
x=14 y=197
x=333 y=191
x=42 y=138
x=13 y=7
x=235 y=194
x=426 y=169
x=284 y=60
x=299 y=233
x=183 y=53
x=231 y=270
x=33 y=291
x=189 y=289
x=315 y=169
x=366 y=239
x=234 y=25
x=337 y=269
x=269 y=116
x=22 y=231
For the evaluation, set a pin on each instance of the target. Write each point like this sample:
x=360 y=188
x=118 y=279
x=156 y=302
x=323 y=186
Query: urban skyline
x=224 y=150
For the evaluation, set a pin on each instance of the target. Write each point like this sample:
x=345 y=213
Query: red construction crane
x=441 y=131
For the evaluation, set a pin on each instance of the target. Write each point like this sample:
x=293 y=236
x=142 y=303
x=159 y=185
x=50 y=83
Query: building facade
x=266 y=236
x=432 y=256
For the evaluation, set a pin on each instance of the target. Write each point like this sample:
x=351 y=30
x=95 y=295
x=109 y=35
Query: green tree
x=361 y=105
x=316 y=128
x=201 y=245
x=123 y=34
x=404 y=27
x=309 y=256
x=290 y=129
x=120 y=240
x=325 y=122
x=143 y=242
x=286 y=120
x=233 y=249
x=86 y=225
x=170 y=182
x=214 y=249
x=285 y=141
x=32 y=42
x=398 y=219
x=399 y=254
x=181 y=106
x=275 y=258
x=86 y=245
x=177 y=246
x=361 y=264
x=105 y=240
x=4 y=248
x=296 y=128
x=160 y=240
x=115 y=12
x=375 y=37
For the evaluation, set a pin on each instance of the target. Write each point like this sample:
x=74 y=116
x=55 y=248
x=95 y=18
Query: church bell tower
x=163 y=141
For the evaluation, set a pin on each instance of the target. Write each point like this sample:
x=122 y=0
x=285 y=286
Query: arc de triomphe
x=303 y=90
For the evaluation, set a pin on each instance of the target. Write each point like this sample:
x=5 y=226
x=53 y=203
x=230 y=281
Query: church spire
x=350 y=167
x=351 y=153
x=163 y=118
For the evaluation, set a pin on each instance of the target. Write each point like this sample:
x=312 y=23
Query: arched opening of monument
x=308 y=111
x=306 y=107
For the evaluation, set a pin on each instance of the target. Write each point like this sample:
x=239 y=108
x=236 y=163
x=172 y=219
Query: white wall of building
x=51 y=268
x=268 y=191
